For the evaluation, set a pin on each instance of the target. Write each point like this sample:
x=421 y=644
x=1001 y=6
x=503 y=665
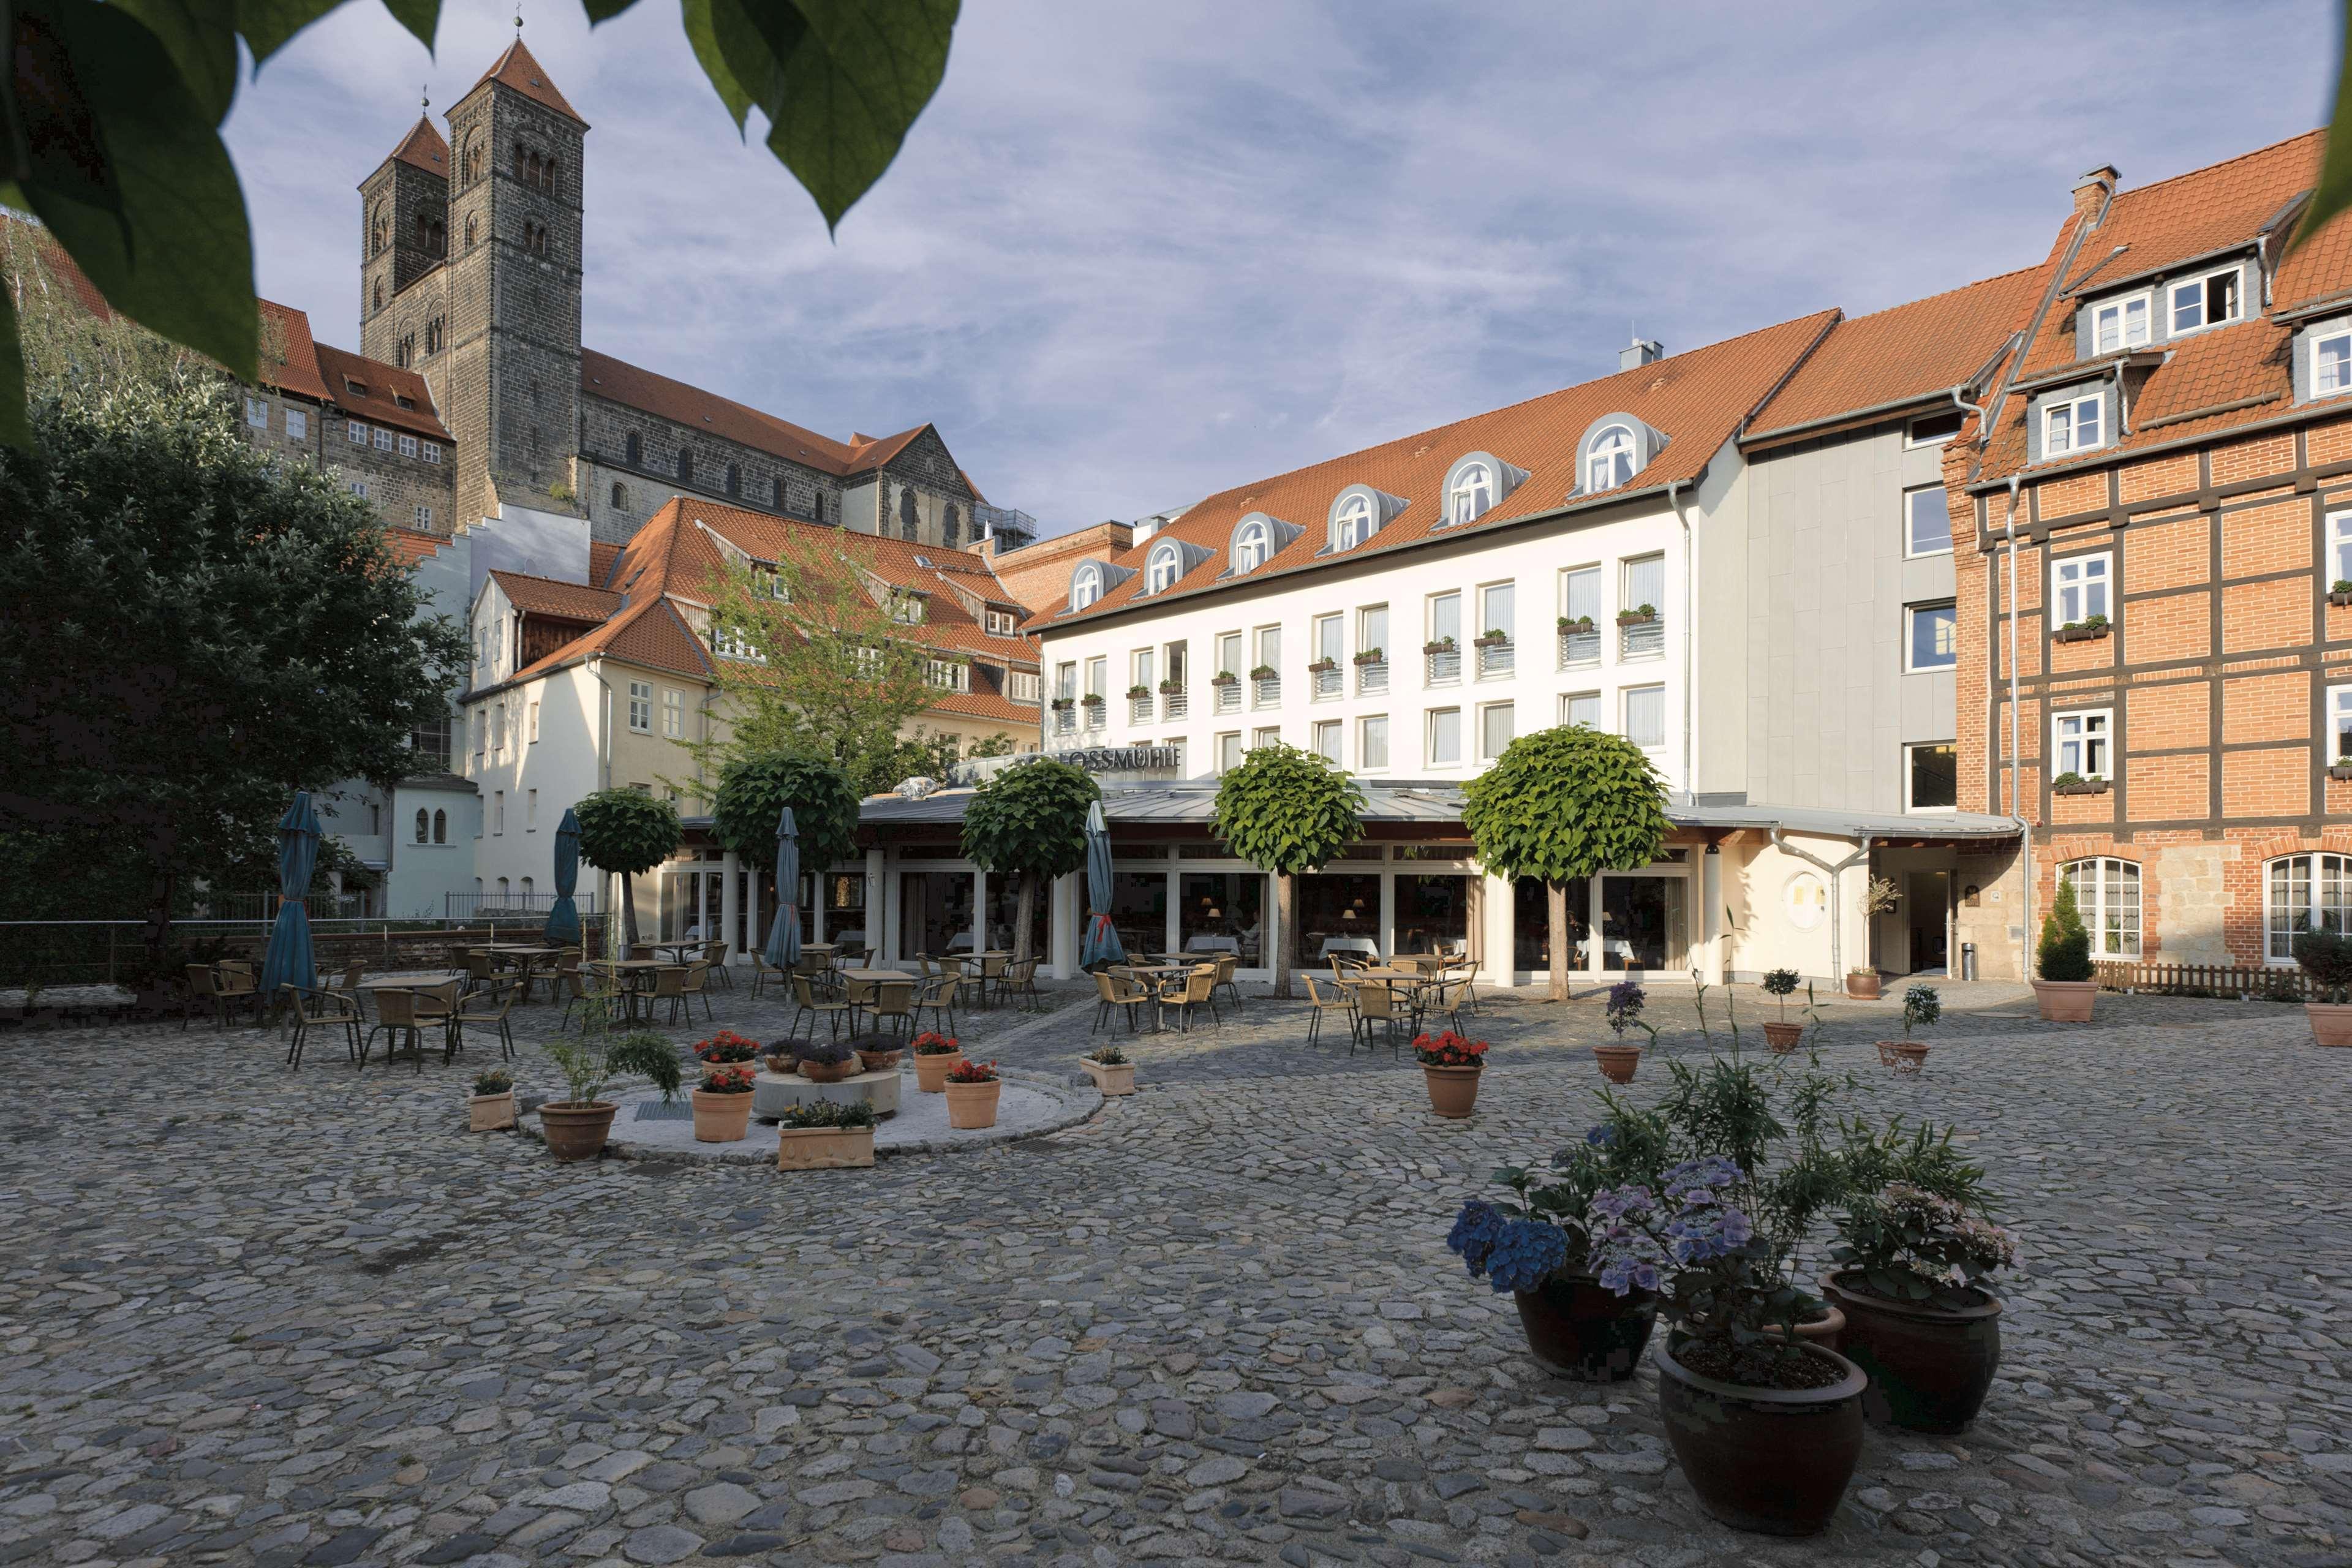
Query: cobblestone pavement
x=256 y=1316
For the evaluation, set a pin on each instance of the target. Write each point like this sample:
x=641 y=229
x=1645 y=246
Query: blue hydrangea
x=1602 y=1136
x=1622 y=1203
x=1625 y=1275
x=1695 y=1176
x=1526 y=1253
x=1476 y=1230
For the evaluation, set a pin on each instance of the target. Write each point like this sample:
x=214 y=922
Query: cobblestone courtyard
x=289 y=1318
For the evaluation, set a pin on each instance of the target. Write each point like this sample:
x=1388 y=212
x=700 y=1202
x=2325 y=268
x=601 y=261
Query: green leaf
x=268 y=25
x=201 y=38
x=16 y=430
x=2333 y=192
x=64 y=146
x=605 y=10
x=179 y=258
x=419 y=16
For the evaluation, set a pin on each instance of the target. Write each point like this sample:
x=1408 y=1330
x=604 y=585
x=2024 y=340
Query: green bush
x=2327 y=957
x=2065 y=949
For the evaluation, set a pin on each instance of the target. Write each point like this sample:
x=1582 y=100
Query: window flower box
x=1224 y=678
x=2088 y=630
x=1139 y=692
x=2075 y=783
x=1442 y=644
x=2340 y=593
x=1492 y=639
x=1571 y=625
x=1063 y=704
x=1372 y=656
x=1171 y=687
x=1092 y=699
x=1635 y=617
x=2342 y=770
x=1323 y=667
x=1263 y=672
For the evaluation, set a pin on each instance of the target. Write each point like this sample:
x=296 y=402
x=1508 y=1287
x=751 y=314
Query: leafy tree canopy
x=1288 y=810
x=1566 y=803
x=628 y=831
x=754 y=791
x=1031 y=819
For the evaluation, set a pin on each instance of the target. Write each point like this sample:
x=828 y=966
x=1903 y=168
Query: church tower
x=403 y=233
x=505 y=367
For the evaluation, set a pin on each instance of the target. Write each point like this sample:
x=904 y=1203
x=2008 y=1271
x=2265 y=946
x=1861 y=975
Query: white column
x=1065 y=902
x=879 y=942
x=1386 y=934
x=755 y=935
x=816 y=903
x=979 y=910
x=1499 y=900
x=1171 y=929
x=729 y=907
x=1596 y=951
x=1710 y=884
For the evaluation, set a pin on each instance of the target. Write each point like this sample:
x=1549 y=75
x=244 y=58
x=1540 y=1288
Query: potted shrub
x=2342 y=768
x=576 y=1126
x=2063 y=986
x=1922 y=1007
x=1537 y=1245
x=1138 y=693
x=1496 y=637
x=722 y=1106
x=1323 y=667
x=1450 y=1065
x=1781 y=1034
x=825 y=1135
x=2340 y=593
x=827 y=1061
x=1263 y=672
x=781 y=1057
x=1063 y=704
x=877 y=1053
x=2326 y=957
x=1767 y=1427
x=1372 y=656
x=1113 y=1074
x=1224 y=678
x=1092 y=699
x=972 y=1089
x=934 y=1054
x=1572 y=625
x=2084 y=630
x=1919 y=1322
x=1438 y=645
x=1170 y=688
x=727 y=1049
x=492 y=1107
x=1636 y=615
x=2075 y=783
x=1626 y=1000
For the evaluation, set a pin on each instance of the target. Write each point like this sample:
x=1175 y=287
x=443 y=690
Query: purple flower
x=1601 y=1137
x=1527 y=1251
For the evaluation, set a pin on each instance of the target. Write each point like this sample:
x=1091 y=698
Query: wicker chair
x=406 y=1014
x=1020 y=979
x=896 y=999
x=321 y=1009
x=714 y=953
x=1113 y=992
x=1318 y=1005
x=937 y=996
x=992 y=973
x=486 y=1008
x=814 y=1007
x=1196 y=991
x=764 y=974
x=1228 y=965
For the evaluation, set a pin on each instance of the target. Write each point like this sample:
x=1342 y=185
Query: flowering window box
x=1372 y=656
x=1227 y=679
x=2341 y=596
x=2078 y=786
x=2342 y=770
x=1444 y=645
x=1635 y=617
x=2088 y=630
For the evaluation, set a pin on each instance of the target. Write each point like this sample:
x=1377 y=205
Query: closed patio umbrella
x=564 y=918
x=784 y=936
x=288 y=961
x=1101 y=945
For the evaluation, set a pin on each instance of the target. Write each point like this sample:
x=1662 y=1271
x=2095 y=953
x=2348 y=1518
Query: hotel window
x=2081 y=581
x=1229 y=654
x=1065 y=682
x=2339 y=724
x=1445 y=739
x=1646 y=716
x=2202 y=303
x=1645 y=582
x=1581 y=708
x=2079 y=744
x=2290 y=908
x=2331 y=364
x=1086 y=587
x=1271 y=735
x=1496 y=614
x=1473 y=492
x=1330 y=633
x=1932 y=776
x=1932 y=639
x=530 y=811
x=297 y=424
x=1266 y=692
x=2119 y=325
x=1444 y=666
x=2106 y=892
x=1927 y=523
x=1609 y=461
x=1142 y=664
x=1372 y=646
x=2071 y=425
x=1372 y=743
x=1496 y=725
x=1250 y=547
x=1581 y=610
x=673 y=713
x=1097 y=675
x=2339 y=547
x=1165 y=568
x=1354 y=523
x=256 y=412
x=1326 y=736
x=1229 y=750
x=641 y=707
x=947 y=674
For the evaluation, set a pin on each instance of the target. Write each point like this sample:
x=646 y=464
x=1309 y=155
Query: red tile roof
x=369 y=389
x=601 y=557
x=423 y=148
x=1697 y=400
x=650 y=632
x=290 y=359
x=516 y=69
x=411 y=545
x=549 y=596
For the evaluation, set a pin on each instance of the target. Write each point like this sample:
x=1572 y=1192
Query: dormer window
x=2331 y=364
x=906 y=608
x=2119 y=325
x=1473 y=493
x=1354 y=523
x=2202 y=302
x=1250 y=546
x=1086 y=587
x=1609 y=460
x=2072 y=425
x=1166 y=565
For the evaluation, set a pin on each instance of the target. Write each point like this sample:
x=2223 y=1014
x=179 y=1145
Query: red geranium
x=728 y=1080
x=727 y=1045
x=1449 y=1050
x=973 y=1072
x=931 y=1043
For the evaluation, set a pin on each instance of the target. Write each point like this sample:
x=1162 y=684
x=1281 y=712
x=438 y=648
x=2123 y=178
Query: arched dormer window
x=1608 y=458
x=1086 y=587
x=1354 y=524
x=632 y=449
x=1251 y=545
x=1165 y=566
x=1471 y=492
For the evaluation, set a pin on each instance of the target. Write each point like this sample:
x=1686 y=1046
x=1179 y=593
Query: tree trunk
x=1282 y=902
x=158 y=940
x=1023 y=909
x=628 y=916
x=1555 y=899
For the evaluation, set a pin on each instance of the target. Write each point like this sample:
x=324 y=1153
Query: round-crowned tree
x=1030 y=822
x=754 y=792
x=627 y=831
x=1287 y=811
x=1562 y=804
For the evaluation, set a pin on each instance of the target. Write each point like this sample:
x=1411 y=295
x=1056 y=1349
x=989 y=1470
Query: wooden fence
x=2205 y=980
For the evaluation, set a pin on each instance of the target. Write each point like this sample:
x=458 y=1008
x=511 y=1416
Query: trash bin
x=1967 y=960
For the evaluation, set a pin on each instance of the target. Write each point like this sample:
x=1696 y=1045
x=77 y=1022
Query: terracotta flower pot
x=781 y=1066
x=1618 y=1062
x=1828 y=1331
x=1454 y=1091
x=931 y=1072
x=704 y=1065
x=972 y=1105
x=2065 y=1001
x=1776 y=1461
x=1903 y=1056
x=1930 y=1367
x=877 y=1061
x=490 y=1112
x=720 y=1118
x=1112 y=1078
x=823 y=1148
x=822 y=1072
x=1783 y=1037
x=1862 y=984
x=2331 y=1023
x=1577 y=1330
x=577 y=1131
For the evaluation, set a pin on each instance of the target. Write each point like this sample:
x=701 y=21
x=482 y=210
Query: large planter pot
x=1618 y=1062
x=577 y=1131
x=1773 y=1460
x=1111 y=1079
x=823 y=1072
x=1783 y=1037
x=1903 y=1056
x=1862 y=984
x=972 y=1105
x=931 y=1072
x=2065 y=1001
x=1453 y=1091
x=823 y=1147
x=1929 y=1368
x=489 y=1112
x=721 y=1117
x=2331 y=1023
x=1828 y=1331
x=1578 y=1329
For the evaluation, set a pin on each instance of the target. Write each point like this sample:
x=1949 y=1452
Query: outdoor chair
x=937 y=996
x=591 y=993
x=858 y=996
x=926 y=967
x=322 y=1008
x=405 y=1016
x=1191 y=994
x=714 y=953
x=818 y=972
x=1375 y=1003
x=1020 y=979
x=1453 y=998
x=992 y=973
x=764 y=974
x=1113 y=992
x=1318 y=1005
x=485 y=1008
x=1228 y=965
x=1465 y=972
x=235 y=984
x=481 y=968
x=670 y=985
x=895 y=999
x=1344 y=965
x=812 y=1007
x=203 y=987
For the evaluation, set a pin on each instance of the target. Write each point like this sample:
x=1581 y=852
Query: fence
x=54 y=953
x=505 y=907
x=2206 y=980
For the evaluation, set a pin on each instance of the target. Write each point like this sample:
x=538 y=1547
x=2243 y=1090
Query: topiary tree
x=1561 y=804
x=2327 y=957
x=754 y=792
x=1287 y=811
x=2065 y=953
x=1030 y=822
x=628 y=831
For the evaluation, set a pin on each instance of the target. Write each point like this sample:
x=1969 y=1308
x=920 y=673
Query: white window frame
x=2342 y=335
x=2339 y=546
x=297 y=424
x=1364 y=762
x=1625 y=715
x=1613 y=447
x=383 y=439
x=2173 y=292
x=1252 y=547
x=2096 y=401
x=256 y=411
x=359 y=488
x=1086 y=587
x=1331 y=730
x=1229 y=753
x=424 y=515
x=1911 y=550
x=1908 y=803
x=1021 y=685
x=2121 y=306
x=641 y=707
x=734 y=642
x=1266 y=735
x=432 y=451
x=1569 y=700
x=947 y=674
x=2092 y=744
x=2337 y=739
x=1165 y=568
x=1911 y=614
x=2117 y=923
x=673 y=713
x=1429 y=737
x=1354 y=523
x=408 y=446
x=2323 y=872
x=1484 y=710
x=355 y=432
x=1912 y=439
x=1473 y=494
x=2073 y=583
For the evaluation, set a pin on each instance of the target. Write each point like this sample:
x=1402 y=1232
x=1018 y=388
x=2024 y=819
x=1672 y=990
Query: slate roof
x=649 y=392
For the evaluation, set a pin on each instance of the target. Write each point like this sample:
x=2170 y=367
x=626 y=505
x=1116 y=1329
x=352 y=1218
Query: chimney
x=2094 y=190
x=1639 y=352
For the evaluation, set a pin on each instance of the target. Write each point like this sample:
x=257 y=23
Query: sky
x=1135 y=253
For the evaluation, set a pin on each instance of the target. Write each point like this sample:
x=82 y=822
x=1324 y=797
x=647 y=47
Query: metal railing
x=1065 y=722
x=1097 y=714
x=1373 y=678
x=520 y=906
x=1580 y=647
x=1174 y=705
x=1329 y=683
x=1445 y=668
x=1229 y=696
x=1640 y=640
x=1266 y=692
x=1138 y=710
x=1496 y=658
x=56 y=954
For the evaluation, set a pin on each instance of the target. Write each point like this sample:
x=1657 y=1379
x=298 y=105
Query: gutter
x=1690 y=620
x=2016 y=804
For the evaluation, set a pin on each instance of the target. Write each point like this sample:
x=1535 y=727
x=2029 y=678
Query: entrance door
x=1928 y=911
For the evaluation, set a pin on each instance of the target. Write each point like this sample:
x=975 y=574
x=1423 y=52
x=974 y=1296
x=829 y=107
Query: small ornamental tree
x=2066 y=949
x=627 y=831
x=1287 y=811
x=1562 y=804
x=754 y=792
x=1030 y=822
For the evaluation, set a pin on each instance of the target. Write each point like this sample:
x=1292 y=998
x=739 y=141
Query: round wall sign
x=1805 y=899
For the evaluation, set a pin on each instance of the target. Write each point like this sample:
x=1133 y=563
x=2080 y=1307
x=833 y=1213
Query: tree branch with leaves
x=1287 y=811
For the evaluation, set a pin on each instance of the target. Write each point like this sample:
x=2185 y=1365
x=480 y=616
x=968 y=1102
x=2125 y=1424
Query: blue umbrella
x=563 y=920
x=784 y=936
x=1101 y=945
x=288 y=961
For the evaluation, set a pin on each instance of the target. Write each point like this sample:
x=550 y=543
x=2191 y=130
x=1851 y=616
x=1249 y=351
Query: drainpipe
x=2016 y=804
x=1837 y=904
x=1690 y=617
x=604 y=781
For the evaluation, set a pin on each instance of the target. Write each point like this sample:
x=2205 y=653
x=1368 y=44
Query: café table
x=1153 y=975
x=870 y=977
x=632 y=974
x=526 y=956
